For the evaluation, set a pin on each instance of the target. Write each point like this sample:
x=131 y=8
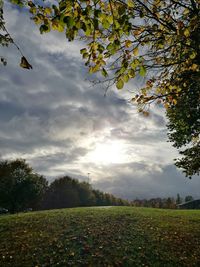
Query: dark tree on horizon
x=20 y=187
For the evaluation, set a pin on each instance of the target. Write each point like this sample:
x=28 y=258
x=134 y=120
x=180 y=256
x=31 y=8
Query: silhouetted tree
x=86 y=195
x=62 y=193
x=20 y=187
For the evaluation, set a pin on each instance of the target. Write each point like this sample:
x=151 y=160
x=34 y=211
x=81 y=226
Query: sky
x=56 y=119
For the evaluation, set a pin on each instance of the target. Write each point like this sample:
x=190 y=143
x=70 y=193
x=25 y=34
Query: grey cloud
x=59 y=163
x=141 y=180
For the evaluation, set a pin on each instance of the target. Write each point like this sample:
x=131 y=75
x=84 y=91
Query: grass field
x=117 y=236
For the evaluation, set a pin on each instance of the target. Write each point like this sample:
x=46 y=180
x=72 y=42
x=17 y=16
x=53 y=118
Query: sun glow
x=109 y=153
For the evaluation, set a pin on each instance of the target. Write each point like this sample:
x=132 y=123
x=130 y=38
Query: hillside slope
x=116 y=236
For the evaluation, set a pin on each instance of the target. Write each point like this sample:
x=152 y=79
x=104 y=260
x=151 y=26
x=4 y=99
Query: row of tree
x=21 y=189
x=67 y=192
x=164 y=203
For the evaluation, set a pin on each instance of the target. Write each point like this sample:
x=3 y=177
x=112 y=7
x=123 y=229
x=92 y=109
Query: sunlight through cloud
x=111 y=152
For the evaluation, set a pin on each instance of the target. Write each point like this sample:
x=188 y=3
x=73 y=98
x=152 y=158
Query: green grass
x=118 y=236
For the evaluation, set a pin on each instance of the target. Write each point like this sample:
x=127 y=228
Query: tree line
x=67 y=192
x=163 y=203
x=22 y=189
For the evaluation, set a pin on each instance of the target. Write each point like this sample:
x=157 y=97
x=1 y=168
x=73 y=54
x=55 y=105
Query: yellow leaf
x=186 y=33
x=57 y=26
x=25 y=64
x=136 y=51
x=193 y=55
x=131 y=73
x=47 y=11
x=166 y=105
x=194 y=67
x=110 y=19
x=37 y=20
x=128 y=43
x=126 y=78
x=33 y=10
x=186 y=11
x=130 y=3
x=120 y=84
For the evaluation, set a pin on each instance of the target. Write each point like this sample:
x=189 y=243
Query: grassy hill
x=116 y=236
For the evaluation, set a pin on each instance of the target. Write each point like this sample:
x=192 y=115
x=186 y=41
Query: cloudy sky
x=63 y=125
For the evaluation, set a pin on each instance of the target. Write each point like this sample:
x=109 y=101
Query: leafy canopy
x=184 y=124
x=129 y=38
